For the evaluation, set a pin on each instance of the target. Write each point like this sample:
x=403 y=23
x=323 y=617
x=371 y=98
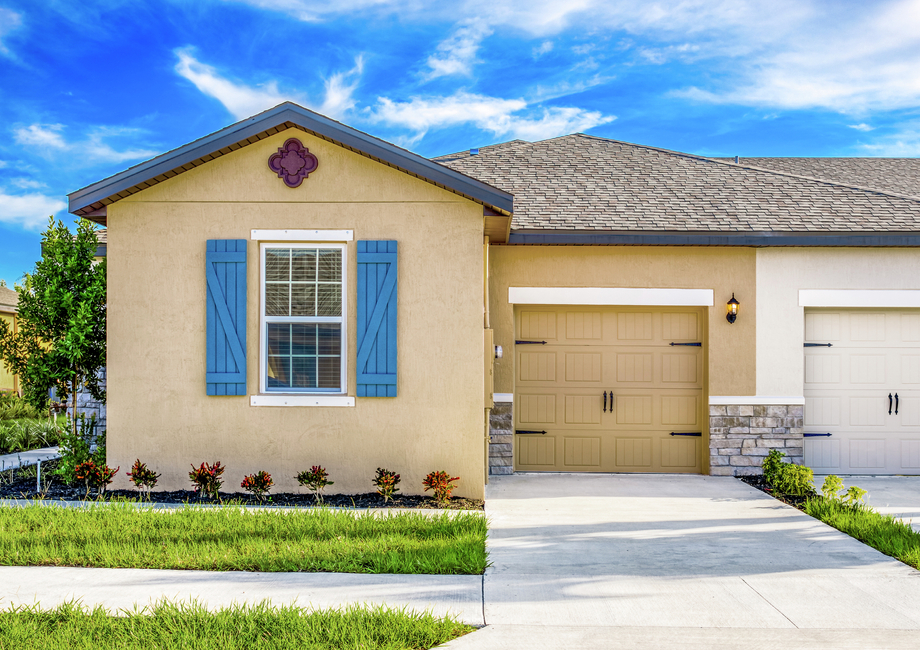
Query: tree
x=60 y=342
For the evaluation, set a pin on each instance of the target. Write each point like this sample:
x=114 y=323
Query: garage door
x=608 y=390
x=862 y=391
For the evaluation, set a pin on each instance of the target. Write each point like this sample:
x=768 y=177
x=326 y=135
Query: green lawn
x=882 y=532
x=259 y=627
x=236 y=539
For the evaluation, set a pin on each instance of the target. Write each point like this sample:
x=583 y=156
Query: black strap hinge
x=692 y=345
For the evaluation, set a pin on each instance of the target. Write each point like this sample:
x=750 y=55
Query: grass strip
x=238 y=539
x=191 y=626
x=884 y=533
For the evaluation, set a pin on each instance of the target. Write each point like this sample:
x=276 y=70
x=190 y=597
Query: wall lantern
x=732 y=309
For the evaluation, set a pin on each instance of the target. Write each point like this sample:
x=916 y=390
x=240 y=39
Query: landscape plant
x=95 y=476
x=206 y=479
x=787 y=479
x=317 y=478
x=441 y=484
x=258 y=484
x=75 y=448
x=386 y=483
x=60 y=341
x=143 y=477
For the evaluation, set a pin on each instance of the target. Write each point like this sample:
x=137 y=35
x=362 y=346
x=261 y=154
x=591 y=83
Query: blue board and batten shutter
x=225 y=269
x=377 y=356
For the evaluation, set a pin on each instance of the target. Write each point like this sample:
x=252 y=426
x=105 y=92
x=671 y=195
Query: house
x=9 y=303
x=289 y=291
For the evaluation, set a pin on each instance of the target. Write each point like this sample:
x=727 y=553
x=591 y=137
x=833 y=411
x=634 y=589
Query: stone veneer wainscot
x=501 y=439
x=740 y=435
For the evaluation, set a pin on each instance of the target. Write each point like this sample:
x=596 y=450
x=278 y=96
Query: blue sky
x=89 y=88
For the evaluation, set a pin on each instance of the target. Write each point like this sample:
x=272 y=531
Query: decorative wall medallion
x=293 y=162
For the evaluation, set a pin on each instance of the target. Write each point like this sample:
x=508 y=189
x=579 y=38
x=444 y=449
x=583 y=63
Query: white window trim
x=891 y=298
x=610 y=296
x=263 y=336
x=312 y=399
x=303 y=235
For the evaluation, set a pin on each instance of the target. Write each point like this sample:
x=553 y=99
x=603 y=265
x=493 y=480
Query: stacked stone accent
x=501 y=439
x=741 y=435
x=89 y=406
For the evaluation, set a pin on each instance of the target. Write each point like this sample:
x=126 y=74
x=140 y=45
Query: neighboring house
x=340 y=299
x=9 y=303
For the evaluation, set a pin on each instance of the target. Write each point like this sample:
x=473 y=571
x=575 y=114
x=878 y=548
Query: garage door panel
x=651 y=390
x=847 y=388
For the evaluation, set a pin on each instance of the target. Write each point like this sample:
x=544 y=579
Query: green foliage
x=13 y=407
x=442 y=485
x=74 y=447
x=23 y=435
x=386 y=483
x=832 y=486
x=854 y=496
x=106 y=534
x=316 y=479
x=884 y=533
x=258 y=484
x=95 y=476
x=142 y=476
x=206 y=479
x=795 y=481
x=772 y=465
x=60 y=342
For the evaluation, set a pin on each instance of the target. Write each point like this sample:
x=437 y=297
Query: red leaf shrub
x=386 y=482
x=206 y=479
x=442 y=485
x=258 y=484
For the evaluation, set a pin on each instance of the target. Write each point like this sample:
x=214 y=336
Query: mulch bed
x=24 y=488
x=759 y=483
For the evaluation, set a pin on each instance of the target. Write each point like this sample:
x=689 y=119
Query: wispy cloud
x=543 y=48
x=903 y=143
x=315 y=11
x=502 y=117
x=28 y=211
x=48 y=140
x=9 y=20
x=243 y=101
x=457 y=54
x=27 y=183
x=861 y=127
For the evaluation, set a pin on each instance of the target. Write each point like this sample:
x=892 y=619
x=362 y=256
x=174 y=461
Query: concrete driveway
x=680 y=561
x=892 y=495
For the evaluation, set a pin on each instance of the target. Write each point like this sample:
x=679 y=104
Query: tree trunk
x=73 y=386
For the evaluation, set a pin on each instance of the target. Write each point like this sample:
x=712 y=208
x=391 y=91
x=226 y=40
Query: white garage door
x=862 y=386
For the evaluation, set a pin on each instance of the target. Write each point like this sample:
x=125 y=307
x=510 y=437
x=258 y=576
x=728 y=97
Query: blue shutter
x=376 y=319
x=225 y=269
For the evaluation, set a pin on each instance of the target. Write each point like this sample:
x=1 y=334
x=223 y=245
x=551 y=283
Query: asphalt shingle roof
x=584 y=183
x=9 y=300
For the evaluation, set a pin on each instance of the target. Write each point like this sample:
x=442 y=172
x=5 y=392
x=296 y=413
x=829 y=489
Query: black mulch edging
x=24 y=488
x=762 y=485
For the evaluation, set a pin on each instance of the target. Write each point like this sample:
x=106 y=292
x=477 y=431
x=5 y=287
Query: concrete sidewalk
x=117 y=589
x=684 y=561
x=26 y=458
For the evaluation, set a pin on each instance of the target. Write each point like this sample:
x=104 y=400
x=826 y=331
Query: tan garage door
x=872 y=354
x=567 y=358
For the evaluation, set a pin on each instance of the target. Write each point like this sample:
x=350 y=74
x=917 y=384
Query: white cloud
x=27 y=183
x=41 y=135
x=502 y=117
x=544 y=48
x=244 y=101
x=3 y=164
x=315 y=11
x=9 y=20
x=92 y=148
x=905 y=143
x=861 y=127
x=29 y=211
x=457 y=54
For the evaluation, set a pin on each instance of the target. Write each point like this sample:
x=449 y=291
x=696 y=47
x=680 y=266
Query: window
x=303 y=325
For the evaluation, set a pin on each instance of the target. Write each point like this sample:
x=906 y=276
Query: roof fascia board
x=759 y=239
x=309 y=121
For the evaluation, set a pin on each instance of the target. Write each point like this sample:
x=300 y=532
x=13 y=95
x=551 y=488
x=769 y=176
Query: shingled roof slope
x=898 y=175
x=9 y=300
x=585 y=183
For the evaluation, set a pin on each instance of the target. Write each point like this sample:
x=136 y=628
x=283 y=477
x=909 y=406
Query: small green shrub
x=854 y=496
x=795 y=481
x=75 y=448
x=206 y=479
x=386 y=483
x=442 y=485
x=13 y=407
x=832 y=486
x=258 y=484
x=142 y=476
x=316 y=479
x=772 y=465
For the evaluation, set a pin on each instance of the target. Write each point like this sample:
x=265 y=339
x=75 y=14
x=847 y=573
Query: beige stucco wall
x=730 y=348
x=781 y=272
x=157 y=407
x=7 y=379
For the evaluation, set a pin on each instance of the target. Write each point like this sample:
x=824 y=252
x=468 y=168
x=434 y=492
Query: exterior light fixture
x=499 y=353
x=732 y=309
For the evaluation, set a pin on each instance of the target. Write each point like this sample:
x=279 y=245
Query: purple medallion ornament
x=293 y=162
